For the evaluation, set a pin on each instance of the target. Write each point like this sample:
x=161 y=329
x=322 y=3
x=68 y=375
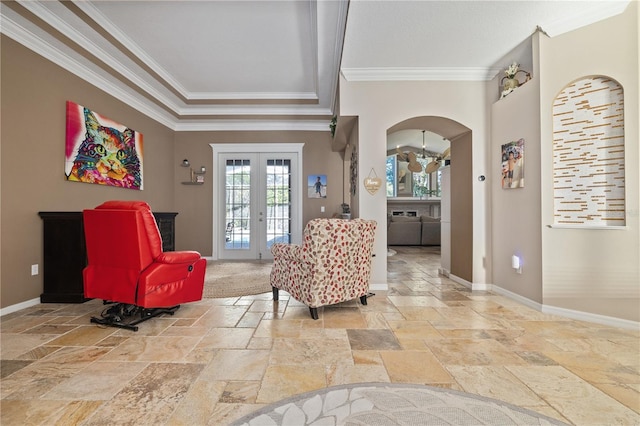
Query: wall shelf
x=192 y=183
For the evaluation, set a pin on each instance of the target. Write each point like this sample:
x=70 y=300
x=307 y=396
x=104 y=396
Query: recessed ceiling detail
x=274 y=65
x=214 y=65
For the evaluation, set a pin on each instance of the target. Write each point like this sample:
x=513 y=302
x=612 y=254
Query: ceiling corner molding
x=100 y=19
x=28 y=39
x=586 y=17
x=340 y=31
x=251 y=110
x=419 y=74
x=247 y=96
x=253 y=125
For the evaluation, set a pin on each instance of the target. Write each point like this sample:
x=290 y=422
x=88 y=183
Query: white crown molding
x=25 y=37
x=100 y=19
x=564 y=24
x=253 y=125
x=258 y=110
x=419 y=74
x=77 y=37
x=22 y=35
x=340 y=29
x=253 y=95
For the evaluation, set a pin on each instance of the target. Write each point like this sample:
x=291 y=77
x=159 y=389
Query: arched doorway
x=460 y=232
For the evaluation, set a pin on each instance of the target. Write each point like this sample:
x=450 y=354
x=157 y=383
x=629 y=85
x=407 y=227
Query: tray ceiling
x=273 y=65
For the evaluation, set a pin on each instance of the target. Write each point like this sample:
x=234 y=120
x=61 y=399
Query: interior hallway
x=219 y=359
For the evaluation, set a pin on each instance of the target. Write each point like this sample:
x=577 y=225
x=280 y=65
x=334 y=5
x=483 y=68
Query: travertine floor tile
x=414 y=367
x=230 y=364
x=306 y=352
x=473 y=352
x=495 y=382
x=154 y=349
x=282 y=381
x=151 y=397
x=360 y=340
x=577 y=400
x=199 y=404
x=218 y=359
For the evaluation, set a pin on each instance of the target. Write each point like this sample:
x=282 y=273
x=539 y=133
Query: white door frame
x=296 y=183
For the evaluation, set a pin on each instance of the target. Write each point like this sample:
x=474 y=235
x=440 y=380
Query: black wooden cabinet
x=65 y=255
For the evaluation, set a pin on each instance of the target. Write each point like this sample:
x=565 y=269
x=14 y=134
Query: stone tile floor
x=219 y=359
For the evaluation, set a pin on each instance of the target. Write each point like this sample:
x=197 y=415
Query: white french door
x=257 y=203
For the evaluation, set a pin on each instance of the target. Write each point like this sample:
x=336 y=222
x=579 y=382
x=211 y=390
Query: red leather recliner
x=126 y=265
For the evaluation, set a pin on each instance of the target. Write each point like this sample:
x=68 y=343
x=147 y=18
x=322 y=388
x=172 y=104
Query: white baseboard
x=547 y=309
x=518 y=298
x=563 y=312
x=18 y=306
x=461 y=281
x=379 y=286
x=595 y=318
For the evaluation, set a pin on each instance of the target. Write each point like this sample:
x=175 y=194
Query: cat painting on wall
x=98 y=150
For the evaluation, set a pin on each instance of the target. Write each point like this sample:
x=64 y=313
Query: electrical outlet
x=321 y=209
x=34 y=269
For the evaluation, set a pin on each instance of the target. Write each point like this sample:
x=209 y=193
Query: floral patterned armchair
x=332 y=265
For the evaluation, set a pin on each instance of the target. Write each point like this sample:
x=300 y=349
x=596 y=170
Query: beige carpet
x=384 y=404
x=233 y=278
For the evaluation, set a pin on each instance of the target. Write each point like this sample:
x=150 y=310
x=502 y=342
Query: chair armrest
x=287 y=251
x=174 y=257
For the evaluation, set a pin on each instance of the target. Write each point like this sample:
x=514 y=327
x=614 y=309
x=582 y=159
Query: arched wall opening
x=460 y=232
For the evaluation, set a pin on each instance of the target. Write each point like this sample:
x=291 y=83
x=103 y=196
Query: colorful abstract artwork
x=99 y=150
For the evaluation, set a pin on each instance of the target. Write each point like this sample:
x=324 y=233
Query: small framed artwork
x=512 y=157
x=317 y=186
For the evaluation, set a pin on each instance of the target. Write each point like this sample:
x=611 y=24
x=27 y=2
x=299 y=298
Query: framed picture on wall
x=512 y=157
x=101 y=151
x=317 y=186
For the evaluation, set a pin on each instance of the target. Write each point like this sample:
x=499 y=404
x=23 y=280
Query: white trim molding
x=563 y=312
x=224 y=148
x=19 y=306
x=419 y=74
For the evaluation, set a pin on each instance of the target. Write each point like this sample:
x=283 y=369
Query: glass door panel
x=257 y=204
x=278 y=202
x=238 y=204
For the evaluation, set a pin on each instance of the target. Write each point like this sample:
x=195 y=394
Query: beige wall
x=34 y=93
x=595 y=271
x=515 y=212
x=461 y=199
x=584 y=270
x=194 y=223
x=380 y=105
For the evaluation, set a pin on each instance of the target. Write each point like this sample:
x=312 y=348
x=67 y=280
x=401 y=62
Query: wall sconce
x=197 y=177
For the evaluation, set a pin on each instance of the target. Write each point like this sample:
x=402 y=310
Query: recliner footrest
x=127 y=316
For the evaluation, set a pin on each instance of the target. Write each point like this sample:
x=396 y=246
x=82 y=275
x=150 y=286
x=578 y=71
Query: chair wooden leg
x=363 y=299
x=314 y=313
x=275 y=293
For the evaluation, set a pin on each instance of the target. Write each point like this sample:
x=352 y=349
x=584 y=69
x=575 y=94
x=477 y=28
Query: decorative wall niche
x=588 y=154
